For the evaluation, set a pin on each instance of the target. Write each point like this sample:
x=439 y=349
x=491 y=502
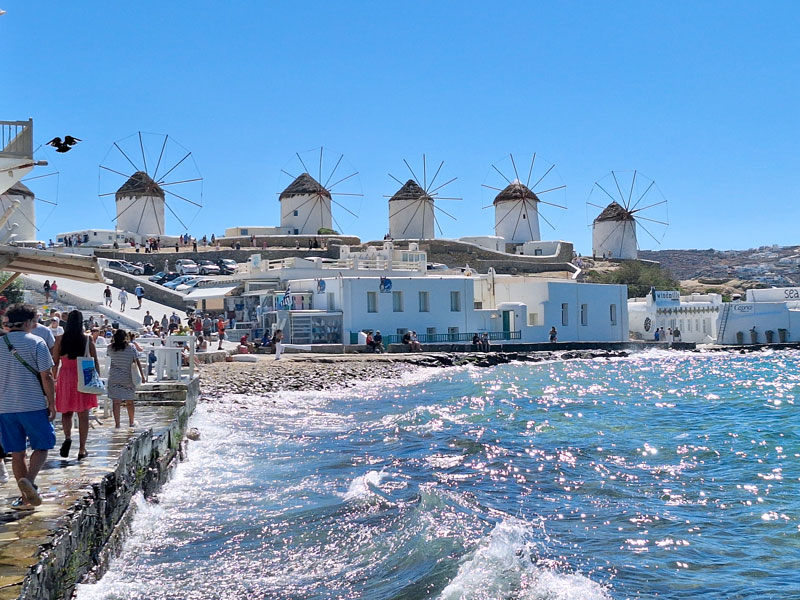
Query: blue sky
x=702 y=97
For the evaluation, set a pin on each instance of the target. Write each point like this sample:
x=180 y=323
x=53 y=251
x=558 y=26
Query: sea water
x=669 y=475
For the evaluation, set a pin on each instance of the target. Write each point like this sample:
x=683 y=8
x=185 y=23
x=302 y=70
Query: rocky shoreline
x=323 y=373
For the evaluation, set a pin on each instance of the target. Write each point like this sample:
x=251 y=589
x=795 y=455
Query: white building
x=411 y=213
x=305 y=207
x=244 y=231
x=320 y=301
x=140 y=206
x=695 y=316
x=766 y=316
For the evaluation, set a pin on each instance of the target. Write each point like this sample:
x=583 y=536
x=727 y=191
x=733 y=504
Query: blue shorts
x=34 y=425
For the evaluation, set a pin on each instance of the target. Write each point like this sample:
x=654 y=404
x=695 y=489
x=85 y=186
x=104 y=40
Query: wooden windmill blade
x=320 y=184
x=412 y=208
x=152 y=178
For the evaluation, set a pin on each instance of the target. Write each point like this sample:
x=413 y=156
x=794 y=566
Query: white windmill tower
x=412 y=209
x=21 y=225
x=148 y=171
x=141 y=190
x=517 y=206
x=614 y=230
x=306 y=204
x=21 y=204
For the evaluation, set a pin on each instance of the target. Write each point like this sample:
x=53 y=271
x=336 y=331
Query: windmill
x=40 y=196
x=636 y=202
x=306 y=203
x=149 y=174
x=518 y=206
x=412 y=209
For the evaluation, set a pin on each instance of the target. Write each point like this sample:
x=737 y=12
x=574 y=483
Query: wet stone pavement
x=62 y=482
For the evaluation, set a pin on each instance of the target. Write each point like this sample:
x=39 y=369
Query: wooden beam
x=8 y=282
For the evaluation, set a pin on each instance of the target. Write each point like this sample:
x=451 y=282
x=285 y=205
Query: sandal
x=82 y=455
x=21 y=504
x=29 y=491
x=64 y=451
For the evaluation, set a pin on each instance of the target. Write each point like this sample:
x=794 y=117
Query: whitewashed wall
x=313 y=213
x=618 y=238
x=512 y=223
x=141 y=214
x=411 y=219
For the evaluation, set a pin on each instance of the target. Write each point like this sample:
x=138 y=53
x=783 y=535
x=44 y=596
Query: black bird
x=64 y=146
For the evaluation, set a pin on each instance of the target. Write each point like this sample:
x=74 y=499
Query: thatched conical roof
x=410 y=191
x=140 y=184
x=514 y=192
x=19 y=189
x=614 y=212
x=302 y=185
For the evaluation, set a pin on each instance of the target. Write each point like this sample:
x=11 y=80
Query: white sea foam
x=360 y=486
x=502 y=568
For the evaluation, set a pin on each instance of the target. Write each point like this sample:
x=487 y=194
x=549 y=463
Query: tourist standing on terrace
x=46 y=288
x=68 y=348
x=54 y=290
x=123 y=299
x=27 y=401
x=107 y=296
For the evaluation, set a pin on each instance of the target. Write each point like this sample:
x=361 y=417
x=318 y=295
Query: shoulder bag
x=89 y=381
x=16 y=355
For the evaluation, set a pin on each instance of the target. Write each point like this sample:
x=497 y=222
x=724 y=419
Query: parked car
x=163 y=277
x=179 y=280
x=186 y=266
x=208 y=267
x=191 y=284
x=125 y=267
x=227 y=266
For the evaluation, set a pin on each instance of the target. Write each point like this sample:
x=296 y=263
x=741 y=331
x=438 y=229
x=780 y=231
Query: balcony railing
x=445 y=338
x=16 y=139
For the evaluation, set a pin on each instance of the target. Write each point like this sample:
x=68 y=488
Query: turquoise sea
x=662 y=475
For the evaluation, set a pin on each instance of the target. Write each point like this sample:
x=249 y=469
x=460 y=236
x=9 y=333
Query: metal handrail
x=444 y=338
x=16 y=139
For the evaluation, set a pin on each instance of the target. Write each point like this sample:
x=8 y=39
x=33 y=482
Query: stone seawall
x=89 y=534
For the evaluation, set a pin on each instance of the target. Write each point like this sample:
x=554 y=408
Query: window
x=397 y=301
x=372 y=302
x=477 y=305
x=537 y=251
x=424 y=302
x=565 y=314
x=331 y=301
x=245 y=231
x=401 y=331
x=296 y=213
x=584 y=314
x=431 y=331
x=452 y=330
x=533 y=319
x=613 y=313
x=455 y=301
x=296 y=231
x=688 y=324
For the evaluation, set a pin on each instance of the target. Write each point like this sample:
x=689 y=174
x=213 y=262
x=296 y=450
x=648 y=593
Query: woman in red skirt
x=73 y=344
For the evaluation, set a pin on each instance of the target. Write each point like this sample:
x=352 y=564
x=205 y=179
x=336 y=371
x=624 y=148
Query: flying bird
x=64 y=146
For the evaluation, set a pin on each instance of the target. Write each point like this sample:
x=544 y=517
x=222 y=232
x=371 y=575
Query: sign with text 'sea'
x=386 y=285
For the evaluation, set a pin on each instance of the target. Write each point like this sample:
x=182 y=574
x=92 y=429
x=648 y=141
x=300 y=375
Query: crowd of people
x=43 y=367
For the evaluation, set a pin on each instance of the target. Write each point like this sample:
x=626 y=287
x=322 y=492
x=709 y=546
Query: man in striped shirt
x=27 y=400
